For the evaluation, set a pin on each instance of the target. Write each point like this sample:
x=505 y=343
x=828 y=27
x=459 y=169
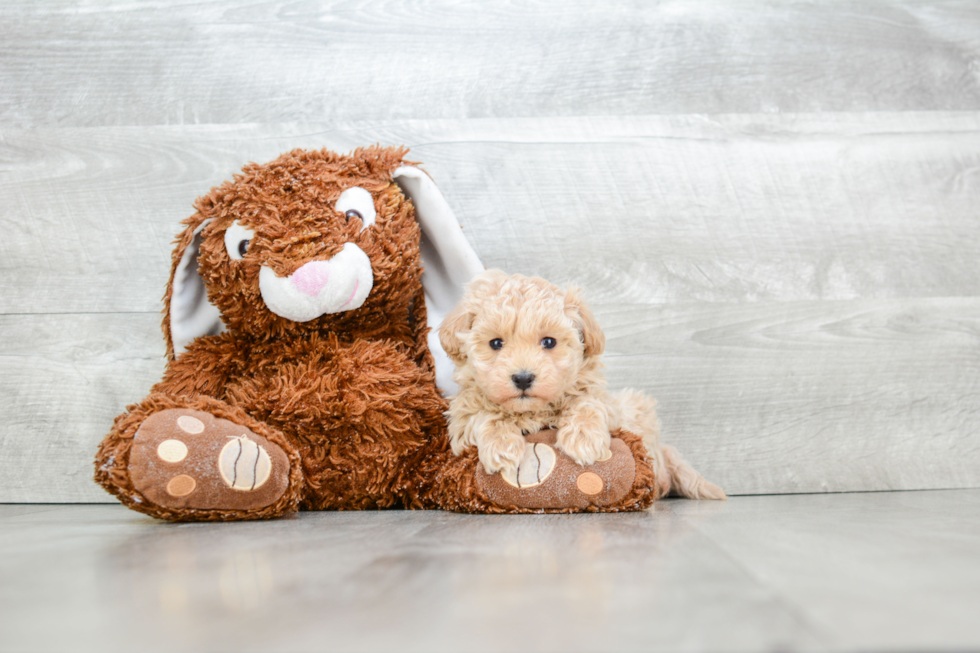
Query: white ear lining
x=448 y=258
x=191 y=314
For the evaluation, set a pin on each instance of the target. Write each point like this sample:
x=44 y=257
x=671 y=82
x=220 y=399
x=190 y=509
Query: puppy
x=528 y=357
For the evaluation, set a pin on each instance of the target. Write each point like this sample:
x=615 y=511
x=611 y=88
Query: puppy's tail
x=637 y=413
x=684 y=479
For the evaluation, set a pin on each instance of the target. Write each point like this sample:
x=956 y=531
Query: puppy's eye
x=237 y=240
x=357 y=203
x=548 y=343
x=496 y=344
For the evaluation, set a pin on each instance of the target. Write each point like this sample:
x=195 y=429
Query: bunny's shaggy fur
x=299 y=373
x=349 y=396
x=528 y=357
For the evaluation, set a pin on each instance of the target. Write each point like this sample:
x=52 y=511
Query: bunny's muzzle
x=319 y=287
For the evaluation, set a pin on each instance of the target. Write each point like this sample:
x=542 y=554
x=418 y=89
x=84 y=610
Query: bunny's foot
x=191 y=459
x=547 y=480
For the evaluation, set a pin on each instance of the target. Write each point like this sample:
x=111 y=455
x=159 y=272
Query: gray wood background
x=773 y=206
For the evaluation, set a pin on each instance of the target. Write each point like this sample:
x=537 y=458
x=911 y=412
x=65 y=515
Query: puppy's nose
x=523 y=380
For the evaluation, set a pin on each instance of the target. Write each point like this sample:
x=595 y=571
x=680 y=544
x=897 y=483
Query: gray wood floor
x=896 y=571
x=771 y=205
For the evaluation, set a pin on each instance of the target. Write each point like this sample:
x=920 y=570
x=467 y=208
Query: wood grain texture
x=64 y=379
x=883 y=571
x=812 y=396
x=153 y=63
x=641 y=209
x=772 y=206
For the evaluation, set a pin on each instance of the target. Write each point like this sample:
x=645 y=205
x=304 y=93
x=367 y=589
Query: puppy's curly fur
x=528 y=357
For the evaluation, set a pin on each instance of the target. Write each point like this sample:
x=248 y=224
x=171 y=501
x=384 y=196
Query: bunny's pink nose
x=312 y=277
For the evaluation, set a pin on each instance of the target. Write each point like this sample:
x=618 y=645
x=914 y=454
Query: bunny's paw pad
x=535 y=467
x=184 y=458
x=547 y=479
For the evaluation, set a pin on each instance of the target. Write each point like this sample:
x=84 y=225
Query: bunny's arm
x=204 y=369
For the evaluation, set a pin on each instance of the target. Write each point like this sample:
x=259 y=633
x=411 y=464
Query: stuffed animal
x=304 y=369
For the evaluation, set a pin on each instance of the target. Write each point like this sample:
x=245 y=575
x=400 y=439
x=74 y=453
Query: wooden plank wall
x=771 y=205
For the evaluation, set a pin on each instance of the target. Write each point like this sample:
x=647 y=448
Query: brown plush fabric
x=352 y=393
x=288 y=203
x=191 y=476
x=113 y=458
x=605 y=483
x=349 y=398
x=457 y=484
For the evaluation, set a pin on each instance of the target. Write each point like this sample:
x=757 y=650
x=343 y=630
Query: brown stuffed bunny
x=301 y=367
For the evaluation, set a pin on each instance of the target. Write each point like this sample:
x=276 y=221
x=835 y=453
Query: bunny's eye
x=357 y=203
x=548 y=342
x=237 y=240
x=496 y=344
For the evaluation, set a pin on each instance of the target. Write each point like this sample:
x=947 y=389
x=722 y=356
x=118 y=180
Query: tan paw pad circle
x=589 y=483
x=536 y=465
x=190 y=424
x=243 y=464
x=181 y=486
x=172 y=451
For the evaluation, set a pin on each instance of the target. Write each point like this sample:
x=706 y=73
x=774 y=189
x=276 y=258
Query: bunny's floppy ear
x=592 y=335
x=447 y=257
x=187 y=312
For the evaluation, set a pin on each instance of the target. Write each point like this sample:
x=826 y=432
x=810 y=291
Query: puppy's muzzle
x=522 y=380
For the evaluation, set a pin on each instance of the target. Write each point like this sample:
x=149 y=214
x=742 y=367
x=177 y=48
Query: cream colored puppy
x=528 y=357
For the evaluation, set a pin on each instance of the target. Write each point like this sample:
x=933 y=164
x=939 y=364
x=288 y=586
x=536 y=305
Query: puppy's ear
x=460 y=319
x=592 y=335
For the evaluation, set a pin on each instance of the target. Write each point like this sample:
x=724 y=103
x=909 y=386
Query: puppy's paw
x=502 y=453
x=585 y=443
